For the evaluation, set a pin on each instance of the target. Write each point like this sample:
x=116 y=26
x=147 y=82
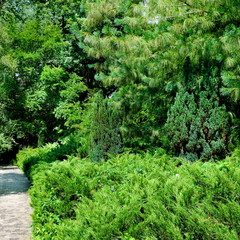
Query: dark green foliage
x=105 y=134
x=137 y=197
x=197 y=127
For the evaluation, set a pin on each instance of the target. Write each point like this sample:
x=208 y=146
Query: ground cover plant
x=28 y=159
x=137 y=197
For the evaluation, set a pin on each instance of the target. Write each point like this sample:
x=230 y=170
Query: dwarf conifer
x=105 y=130
x=197 y=126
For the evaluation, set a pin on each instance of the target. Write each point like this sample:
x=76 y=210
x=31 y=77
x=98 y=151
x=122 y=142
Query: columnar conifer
x=105 y=130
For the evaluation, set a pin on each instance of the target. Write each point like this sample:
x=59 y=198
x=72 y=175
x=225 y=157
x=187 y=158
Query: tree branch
x=188 y=13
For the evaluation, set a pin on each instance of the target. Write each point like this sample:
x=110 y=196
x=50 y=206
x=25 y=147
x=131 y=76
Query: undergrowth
x=29 y=158
x=137 y=197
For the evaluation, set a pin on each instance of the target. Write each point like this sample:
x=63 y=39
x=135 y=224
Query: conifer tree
x=143 y=60
x=105 y=130
x=197 y=126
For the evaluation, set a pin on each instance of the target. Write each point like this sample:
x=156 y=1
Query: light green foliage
x=30 y=90
x=42 y=98
x=6 y=143
x=45 y=94
x=29 y=158
x=105 y=133
x=62 y=190
x=75 y=113
x=7 y=130
x=70 y=107
x=116 y=32
x=37 y=37
x=137 y=197
x=231 y=74
x=197 y=126
x=6 y=60
x=7 y=66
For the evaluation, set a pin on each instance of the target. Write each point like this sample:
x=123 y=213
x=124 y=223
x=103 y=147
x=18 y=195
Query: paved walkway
x=15 y=219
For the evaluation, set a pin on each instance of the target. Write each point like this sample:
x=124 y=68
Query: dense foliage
x=197 y=127
x=54 y=57
x=86 y=84
x=136 y=197
x=105 y=130
x=29 y=158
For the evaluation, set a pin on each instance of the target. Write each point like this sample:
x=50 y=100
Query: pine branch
x=189 y=5
x=183 y=5
x=188 y=13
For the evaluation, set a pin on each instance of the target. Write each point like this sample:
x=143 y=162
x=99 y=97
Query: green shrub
x=56 y=191
x=7 y=131
x=105 y=130
x=137 y=197
x=5 y=143
x=29 y=158
x=197 y=126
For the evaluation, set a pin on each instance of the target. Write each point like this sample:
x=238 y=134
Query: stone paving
x=15 y=219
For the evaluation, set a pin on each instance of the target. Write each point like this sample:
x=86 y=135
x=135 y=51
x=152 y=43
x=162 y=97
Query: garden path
x=15 y=219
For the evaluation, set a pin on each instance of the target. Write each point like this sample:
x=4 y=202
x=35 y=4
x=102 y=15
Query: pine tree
x=105 y=130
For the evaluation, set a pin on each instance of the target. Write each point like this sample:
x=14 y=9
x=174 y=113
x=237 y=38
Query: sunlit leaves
x=6 y=60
